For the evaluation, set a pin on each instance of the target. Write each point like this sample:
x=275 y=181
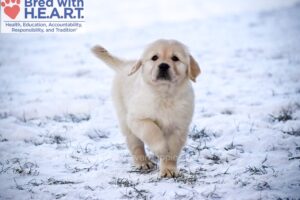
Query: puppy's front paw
x=145 y=165
x=169 y=172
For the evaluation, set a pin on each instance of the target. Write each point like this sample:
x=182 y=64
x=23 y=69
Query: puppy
x=154 y=100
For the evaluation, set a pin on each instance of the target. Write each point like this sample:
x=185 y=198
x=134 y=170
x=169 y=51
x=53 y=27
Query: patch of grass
x=98 y=135
x=53 y=181
x=295 y=158
x=45 y=183
x=20 y=167
x=143 y=171
x=56 y=139
x=59 y=140
x=293 y=132
x=181 y=196
x=232 y=146
x=284 y=115
x=223 y=173
x=34 y=141
x=4 y=167
x=214 y=158
x=123 y=182
x=4 y=115
x=2 y=139
x=23 y=118
x=200 y=137
x=27 y=168
x=93 y=167
x=242 y=183
x=35 y=183
x=257 y=170
x=227 y=112
x=88 y=149
x=19 y=187
x=191 y=150
x=87 y=187
x=189 y=179
x=75 y=118
x=262 y=186
x=117 y=146
x=135 y=193
x=59 y=196
x=201 y=134
x=213 y=194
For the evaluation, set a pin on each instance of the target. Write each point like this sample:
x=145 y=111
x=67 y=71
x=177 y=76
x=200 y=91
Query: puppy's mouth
x=163 y=72
x=165 y=76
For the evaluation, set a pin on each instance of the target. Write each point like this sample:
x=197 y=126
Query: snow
x=59 y=137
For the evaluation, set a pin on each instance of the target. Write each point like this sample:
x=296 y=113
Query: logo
x=11 y=8
x=42 y=16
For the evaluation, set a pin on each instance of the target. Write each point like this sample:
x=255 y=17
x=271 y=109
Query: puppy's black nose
x=163 y=67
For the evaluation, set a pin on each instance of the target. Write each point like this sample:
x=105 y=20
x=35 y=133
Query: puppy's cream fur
x=152 y=111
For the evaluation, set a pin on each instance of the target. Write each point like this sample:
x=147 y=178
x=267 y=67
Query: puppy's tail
x=109 y=59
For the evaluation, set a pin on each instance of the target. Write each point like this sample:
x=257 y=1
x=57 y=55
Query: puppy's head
x=166 y=62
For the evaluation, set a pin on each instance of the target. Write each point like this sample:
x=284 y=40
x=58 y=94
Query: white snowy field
x=59 y=137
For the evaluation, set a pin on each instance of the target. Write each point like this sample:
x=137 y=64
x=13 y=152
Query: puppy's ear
x=135 y=67
x=194 y=69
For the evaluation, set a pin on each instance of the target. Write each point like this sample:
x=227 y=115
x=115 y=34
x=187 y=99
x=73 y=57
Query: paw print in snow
x=11 y=8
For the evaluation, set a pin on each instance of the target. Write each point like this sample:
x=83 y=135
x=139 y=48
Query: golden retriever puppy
x=154 y=100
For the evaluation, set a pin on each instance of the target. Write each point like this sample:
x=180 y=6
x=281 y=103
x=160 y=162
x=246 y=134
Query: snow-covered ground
x=59 y=138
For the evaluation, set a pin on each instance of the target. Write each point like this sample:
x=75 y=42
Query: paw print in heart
x=11 y=8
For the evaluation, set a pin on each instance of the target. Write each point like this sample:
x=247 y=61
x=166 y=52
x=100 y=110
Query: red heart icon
x=12 y=12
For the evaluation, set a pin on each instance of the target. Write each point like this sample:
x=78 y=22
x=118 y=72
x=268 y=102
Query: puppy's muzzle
x=163 y=72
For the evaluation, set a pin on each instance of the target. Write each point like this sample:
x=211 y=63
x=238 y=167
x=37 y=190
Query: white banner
x=42 y=16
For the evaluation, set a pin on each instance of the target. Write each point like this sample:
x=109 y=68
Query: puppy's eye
x=175 y=58
x=154 y=58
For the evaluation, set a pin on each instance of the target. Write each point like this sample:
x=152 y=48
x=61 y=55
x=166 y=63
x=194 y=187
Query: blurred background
x=116 y=14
